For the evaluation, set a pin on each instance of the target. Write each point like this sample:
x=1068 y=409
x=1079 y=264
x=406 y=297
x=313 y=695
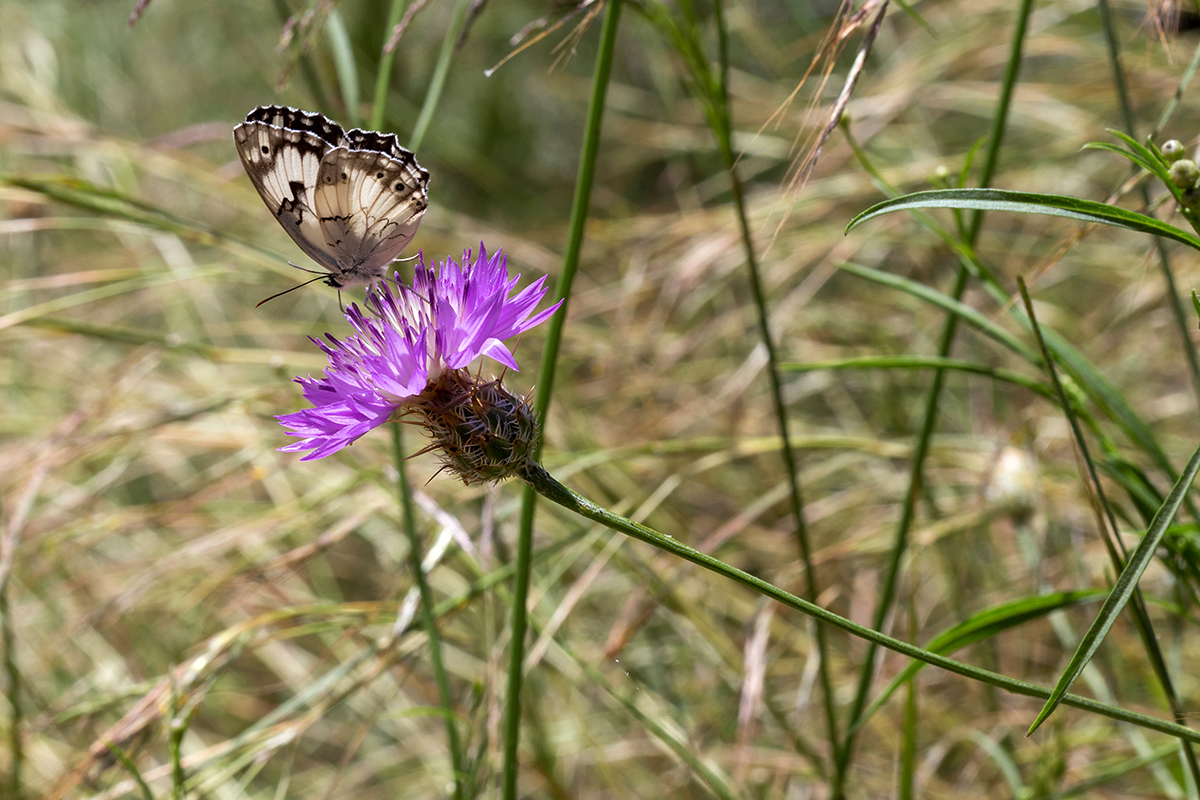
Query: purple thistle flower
x=405 y=342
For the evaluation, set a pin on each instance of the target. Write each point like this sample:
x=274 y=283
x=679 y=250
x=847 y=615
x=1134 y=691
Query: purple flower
x=404 y=343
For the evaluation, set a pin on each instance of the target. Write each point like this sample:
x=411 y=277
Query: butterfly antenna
x=305 y=269
x=285 y=291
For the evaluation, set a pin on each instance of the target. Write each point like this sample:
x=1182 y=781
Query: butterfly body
x=351 y=200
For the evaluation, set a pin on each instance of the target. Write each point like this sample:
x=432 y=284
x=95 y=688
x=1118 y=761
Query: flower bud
x=482 y=432
x=1172 y=150
x=1184 y=173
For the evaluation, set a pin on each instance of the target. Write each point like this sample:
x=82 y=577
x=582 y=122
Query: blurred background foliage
x=167 y=563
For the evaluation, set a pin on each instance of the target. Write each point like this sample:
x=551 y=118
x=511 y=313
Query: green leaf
x=1113 y=148
x=1135 y=151
x=110 y=203
x=980 y=626
x=1030 y=203
x=1121 y=591
x=924 y=362
x=968 y=314
x=1105 y=395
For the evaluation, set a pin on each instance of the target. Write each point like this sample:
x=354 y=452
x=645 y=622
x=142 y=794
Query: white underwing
x=352 y=200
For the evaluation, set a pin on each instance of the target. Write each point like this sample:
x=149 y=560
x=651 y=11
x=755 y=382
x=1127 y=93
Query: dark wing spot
x=293 y=204
x=378 y=176
x=266 y=151
x=399 y=187
x=345 y=177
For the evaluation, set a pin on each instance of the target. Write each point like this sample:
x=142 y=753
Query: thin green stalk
x=907 y=513
x=906 y=780
x=545 y=384
x=1000 y=122
x=724 y=134
x=440 y=70
x=128 y=763
x=544 y=484
x=933 y=399
x=1142 y=617
x=1173 y=298
x=344 y=64
x=427 y=609
x=177 y=725
x=12 y=692
x=516 y=660
x=1119 y=559
x=383 y=78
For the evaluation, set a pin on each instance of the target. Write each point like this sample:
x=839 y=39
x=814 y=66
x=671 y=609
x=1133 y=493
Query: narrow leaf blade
x=1054 y=205
x=1121 y=591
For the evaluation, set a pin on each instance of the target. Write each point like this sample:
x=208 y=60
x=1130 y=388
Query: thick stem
x=579 y=212
x=544 y=484
x=428 y=617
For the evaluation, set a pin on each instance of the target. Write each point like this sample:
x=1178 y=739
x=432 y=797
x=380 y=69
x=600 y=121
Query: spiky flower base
x=482 y=432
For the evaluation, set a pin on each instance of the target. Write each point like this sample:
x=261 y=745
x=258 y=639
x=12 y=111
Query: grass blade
x=972 y=317
x=344 y=63
x=440 y=70
x=1159 y=168
x=541 y=481
x=980 y=626
x=428 y=619
x=1122 y=590
x=924 y=362
x=383 y=77
x=545 y=384
x=1054 y=205
x=720 y=120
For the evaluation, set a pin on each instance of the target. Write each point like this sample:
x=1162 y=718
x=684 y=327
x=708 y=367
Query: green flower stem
x=723 y=129
x=933 y=399
x=428 y=618
x=440 y=70
x=1121 y=563
x=13 y=689
x=383 y=78
x=1173 y=298
x=545 y=485
x=907 y=514
x=344 y=64
x=545 y=384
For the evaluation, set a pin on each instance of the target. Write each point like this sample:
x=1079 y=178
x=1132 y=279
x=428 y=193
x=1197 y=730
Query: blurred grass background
x=167 y=563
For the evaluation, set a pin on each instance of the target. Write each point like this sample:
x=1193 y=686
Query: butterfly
x=351 y=200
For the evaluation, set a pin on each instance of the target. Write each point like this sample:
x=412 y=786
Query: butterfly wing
x=369 y=203
x=281 y=149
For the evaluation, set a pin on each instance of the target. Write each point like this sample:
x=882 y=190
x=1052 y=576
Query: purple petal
x=328 y=428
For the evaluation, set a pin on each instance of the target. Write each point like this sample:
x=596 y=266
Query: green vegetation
x=967 y=318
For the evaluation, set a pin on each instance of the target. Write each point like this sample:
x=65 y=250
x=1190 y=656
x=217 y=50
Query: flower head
x=403 y=348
